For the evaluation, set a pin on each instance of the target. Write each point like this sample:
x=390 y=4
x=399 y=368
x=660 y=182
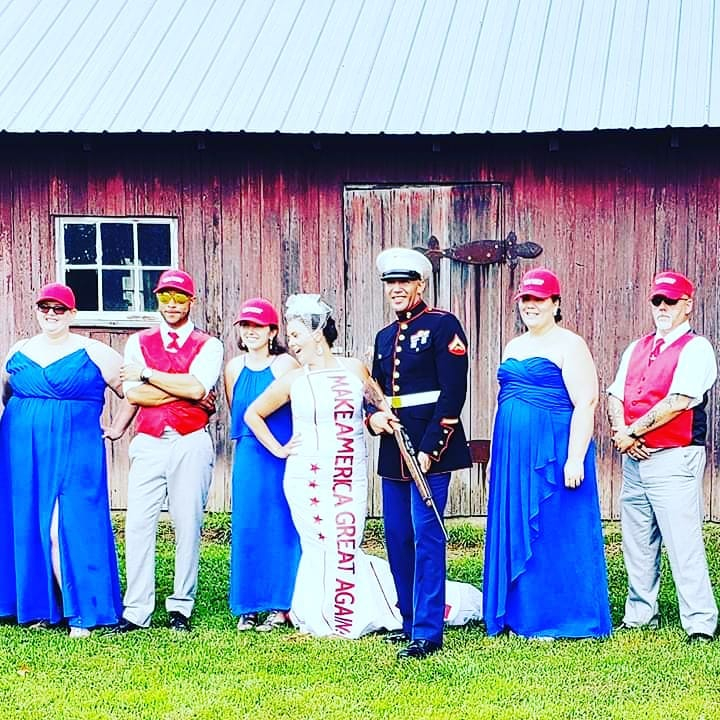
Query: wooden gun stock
x=375 y=395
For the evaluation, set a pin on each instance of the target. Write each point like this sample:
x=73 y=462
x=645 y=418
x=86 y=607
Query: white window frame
x=113 y=318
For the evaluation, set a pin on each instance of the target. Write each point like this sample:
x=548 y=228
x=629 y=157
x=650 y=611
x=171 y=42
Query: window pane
x=149 y=280
x=85 y=286
x=117 y=243
x=154 y=243
x=79 y=242
x=117 y=290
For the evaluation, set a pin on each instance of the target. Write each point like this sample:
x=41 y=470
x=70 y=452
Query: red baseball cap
x=671 y=285
x=58 y=292
x=176 y=280
x=539 y=283
x=258 y=311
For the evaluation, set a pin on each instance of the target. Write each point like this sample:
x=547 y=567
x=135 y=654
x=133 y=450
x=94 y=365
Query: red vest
x=647 y=383
x=183 y=416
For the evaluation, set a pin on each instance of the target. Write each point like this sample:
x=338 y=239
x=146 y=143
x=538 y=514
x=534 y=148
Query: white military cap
x=403 y=264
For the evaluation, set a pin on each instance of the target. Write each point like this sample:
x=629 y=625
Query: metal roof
x=358 y=66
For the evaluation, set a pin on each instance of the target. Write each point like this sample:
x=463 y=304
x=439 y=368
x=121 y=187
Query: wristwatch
x=633 y=435
x=146 y=374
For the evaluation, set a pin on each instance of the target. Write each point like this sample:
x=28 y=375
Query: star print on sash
x=457 y=347
x=314 y=500
x=312 y=484
x=316 y=468
x=321 y=536
x=317 y=519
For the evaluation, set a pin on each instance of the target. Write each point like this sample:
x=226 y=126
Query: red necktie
x=659 y=342
x=173 y=344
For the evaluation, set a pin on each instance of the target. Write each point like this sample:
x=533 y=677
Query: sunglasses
x=57 y=309
x=165 y=296
x=659 y=299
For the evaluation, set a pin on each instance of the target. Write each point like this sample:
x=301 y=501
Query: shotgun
x=375 y=396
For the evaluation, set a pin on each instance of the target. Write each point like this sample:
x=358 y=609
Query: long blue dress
x=265 y=548
x=545 y=572
x=52 y=451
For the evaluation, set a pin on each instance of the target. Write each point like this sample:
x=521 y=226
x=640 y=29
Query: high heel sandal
x=275 y=619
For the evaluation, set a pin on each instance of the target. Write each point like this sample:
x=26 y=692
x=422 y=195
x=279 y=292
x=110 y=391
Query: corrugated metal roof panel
x=658 y=66
x=530 y=49
x=412 y=95
x=232 y=39
x=367 y=66
x=485 y=78
x=363 y=44
x=319 y=74
x=691 y=84
x=258 y=65
x=389 y=69
x=116 y=105
x=589 y=74
x=713 y=91
x=451 y=83
x=288 y=73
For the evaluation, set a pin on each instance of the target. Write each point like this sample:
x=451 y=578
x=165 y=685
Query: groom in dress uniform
x=420 y=361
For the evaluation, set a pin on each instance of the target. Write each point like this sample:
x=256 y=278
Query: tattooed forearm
x=665 y=410
x=645 y=423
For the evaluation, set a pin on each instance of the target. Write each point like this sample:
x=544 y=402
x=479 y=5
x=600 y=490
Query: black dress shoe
x=178 y=622
x=699 y=638
x=47 y=625
x=419 y=649
x=396 y=636
x=122 y=627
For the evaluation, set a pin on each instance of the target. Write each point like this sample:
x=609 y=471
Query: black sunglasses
x=57 y=309
x=658 y=299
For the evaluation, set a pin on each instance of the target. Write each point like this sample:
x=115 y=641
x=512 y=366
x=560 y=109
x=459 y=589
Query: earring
x=318 y=351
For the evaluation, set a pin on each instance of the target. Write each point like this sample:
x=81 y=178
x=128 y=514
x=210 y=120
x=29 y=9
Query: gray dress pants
x=662 y=502
x=179 y=468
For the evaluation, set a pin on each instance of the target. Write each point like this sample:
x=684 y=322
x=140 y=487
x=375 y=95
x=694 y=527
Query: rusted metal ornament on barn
x=482 y=252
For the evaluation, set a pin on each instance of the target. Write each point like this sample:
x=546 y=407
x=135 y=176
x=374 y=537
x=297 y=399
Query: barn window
x=112 y=265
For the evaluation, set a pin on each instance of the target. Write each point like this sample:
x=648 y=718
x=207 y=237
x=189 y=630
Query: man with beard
x=420 y=362
x=169 y=372
x=656 y=406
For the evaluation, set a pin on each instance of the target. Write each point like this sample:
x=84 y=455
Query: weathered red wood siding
x=264 y=215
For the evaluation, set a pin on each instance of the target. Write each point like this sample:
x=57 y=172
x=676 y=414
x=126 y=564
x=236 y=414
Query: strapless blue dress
x=265 y=547
x=52 y=451
x=544 y=572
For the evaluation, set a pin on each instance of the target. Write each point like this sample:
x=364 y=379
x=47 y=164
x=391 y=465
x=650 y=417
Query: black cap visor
x=400 y=275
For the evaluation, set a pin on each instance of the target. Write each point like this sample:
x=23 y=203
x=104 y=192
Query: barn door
x=444 y=217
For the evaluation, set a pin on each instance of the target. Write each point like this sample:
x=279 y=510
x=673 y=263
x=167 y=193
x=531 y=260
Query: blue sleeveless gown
x=265 y=548
x=51 y=450
x=544 y=572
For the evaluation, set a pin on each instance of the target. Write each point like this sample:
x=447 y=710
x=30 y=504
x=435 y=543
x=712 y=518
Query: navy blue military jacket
x=425 y=350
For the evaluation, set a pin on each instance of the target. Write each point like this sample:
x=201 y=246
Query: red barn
x=276 y=146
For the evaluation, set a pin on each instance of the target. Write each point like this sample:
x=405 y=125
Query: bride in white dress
x=339 y=589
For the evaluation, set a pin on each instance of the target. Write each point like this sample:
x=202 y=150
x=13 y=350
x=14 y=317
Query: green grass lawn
x=216 y=672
